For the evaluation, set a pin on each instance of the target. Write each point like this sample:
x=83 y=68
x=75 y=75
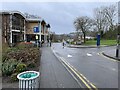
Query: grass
x=102 y=42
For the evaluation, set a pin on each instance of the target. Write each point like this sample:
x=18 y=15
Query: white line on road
x=88 y=54
x=72 y=70
x=113 y=69
x=69 y=55
x=100 y=54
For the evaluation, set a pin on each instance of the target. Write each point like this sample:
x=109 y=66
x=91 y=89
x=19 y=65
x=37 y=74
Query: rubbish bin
x=28 y=80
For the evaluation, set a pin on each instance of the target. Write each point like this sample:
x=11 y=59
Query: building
x=30 y=25
x=13 y=27
x=36 y=27
x=16 y=27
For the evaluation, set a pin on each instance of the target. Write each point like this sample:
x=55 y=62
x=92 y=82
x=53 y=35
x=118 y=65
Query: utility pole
x=39 y=27
x=48 y=27
x=118 y=42
x=118 y=33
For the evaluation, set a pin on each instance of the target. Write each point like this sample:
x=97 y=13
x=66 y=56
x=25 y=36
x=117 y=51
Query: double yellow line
x=81 y=77
x=86 y=82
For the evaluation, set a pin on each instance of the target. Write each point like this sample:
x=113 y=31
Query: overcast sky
x=60 y=15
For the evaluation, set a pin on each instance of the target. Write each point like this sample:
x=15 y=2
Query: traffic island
x=112 y=56
x=88 y=46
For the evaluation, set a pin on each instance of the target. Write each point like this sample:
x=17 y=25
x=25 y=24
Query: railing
x=17 y=27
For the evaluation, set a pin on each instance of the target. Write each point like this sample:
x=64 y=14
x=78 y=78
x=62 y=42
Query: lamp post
x=43 y=25
x=39 y=27
x=48 y=26
x=118 y=42
x=118 y=33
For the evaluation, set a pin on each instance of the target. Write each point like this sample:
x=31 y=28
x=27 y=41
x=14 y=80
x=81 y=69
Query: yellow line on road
x=77 y=73
x=80 y=76
x=72 y=74
x=87 y=80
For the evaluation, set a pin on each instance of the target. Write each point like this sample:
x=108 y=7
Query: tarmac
x=109 y=53
x=54 y=75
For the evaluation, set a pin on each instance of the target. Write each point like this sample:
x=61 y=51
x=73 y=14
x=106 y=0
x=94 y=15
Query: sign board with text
x=36 y=29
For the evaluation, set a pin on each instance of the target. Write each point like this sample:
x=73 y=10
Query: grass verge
x=102 y=42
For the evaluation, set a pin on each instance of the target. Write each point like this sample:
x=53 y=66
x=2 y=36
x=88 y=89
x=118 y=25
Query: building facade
x=13 y=27
x=16 y=27
x=41 y=33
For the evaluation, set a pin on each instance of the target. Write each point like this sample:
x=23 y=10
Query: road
x=88 y=66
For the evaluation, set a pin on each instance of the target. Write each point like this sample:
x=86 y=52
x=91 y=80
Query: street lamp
x=118 y=33
x=43 y=23
x=118 y=42
x=48 y=26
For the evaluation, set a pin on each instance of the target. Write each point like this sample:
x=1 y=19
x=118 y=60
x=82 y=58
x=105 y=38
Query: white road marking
x=88 y=54
x=69 y=55
x=100 y=54
x=113 y=69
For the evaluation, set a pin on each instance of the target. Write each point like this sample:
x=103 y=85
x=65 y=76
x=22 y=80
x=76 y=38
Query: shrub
x=4 y=58
x=31 y=65
x=95 y=38
x=8 y=67
x=21 y=45
x=21 y=67
x=14 y=77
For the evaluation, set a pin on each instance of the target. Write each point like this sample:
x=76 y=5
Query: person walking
x=50 y=42
x=63 y=43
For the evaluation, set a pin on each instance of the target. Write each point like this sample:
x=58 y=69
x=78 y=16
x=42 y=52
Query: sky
x=60 y=15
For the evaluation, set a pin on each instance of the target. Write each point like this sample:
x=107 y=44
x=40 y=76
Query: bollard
x=28 y=80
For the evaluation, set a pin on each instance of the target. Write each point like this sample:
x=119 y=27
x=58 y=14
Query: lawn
x=102 y=42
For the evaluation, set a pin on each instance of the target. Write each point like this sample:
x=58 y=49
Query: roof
x=12 y=12
x=18 y=12
x=33 y=20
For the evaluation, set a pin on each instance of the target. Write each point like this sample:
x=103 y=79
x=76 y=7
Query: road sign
x=98 y=40
x=36 y=30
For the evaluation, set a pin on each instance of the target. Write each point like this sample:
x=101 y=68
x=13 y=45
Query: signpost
x=118 y=46
x=98 y=40
x=36 y=30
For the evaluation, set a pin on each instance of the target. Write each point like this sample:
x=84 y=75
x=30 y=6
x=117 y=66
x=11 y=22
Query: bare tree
x=100 y=19
x=83 y=24
x=104 y=18
x=110 y=14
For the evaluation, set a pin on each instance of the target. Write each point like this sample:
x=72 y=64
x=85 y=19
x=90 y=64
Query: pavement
x=111 y=54
x=52 y=73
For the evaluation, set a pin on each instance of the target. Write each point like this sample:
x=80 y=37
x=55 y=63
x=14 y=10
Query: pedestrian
x=63 y=43
x=50 y=43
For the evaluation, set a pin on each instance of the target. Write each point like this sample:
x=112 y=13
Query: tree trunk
x=84 y=38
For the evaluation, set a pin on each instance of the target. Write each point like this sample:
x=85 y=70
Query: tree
x=100 y=20
x=83 y=24
x=110 y=14
x=104 y=18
